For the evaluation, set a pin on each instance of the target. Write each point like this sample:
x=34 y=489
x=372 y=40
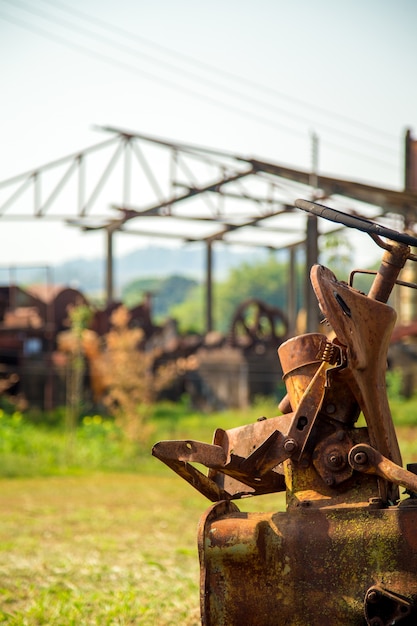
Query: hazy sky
x=255 y=78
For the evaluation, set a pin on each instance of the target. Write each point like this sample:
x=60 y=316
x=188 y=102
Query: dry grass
x=106 y=549
x=103 y=549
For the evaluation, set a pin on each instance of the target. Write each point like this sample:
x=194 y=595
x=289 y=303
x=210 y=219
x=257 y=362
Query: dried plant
x=132 y=378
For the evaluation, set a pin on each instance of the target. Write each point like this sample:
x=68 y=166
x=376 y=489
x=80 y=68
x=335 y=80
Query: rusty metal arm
x=188 y=472
x=178 y=455
x=253 y=468
x=365 y=459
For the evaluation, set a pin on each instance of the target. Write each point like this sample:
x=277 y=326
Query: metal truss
x=142 y=185
x=212 y=193
x=106 y=186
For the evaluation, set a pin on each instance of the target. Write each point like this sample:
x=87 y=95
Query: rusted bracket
x=306 y=414
x=179 y=455
x=365 y=459
x=382 y=607
x=188 y=472
x=190 y=451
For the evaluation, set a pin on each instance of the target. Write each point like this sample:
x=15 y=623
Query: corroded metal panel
x=313 y=566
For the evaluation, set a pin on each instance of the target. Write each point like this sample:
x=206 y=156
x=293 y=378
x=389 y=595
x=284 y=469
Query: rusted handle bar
x=364 y=458
x=395 y=254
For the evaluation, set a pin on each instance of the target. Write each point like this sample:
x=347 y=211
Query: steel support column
x=109 y=266
x=209 y=286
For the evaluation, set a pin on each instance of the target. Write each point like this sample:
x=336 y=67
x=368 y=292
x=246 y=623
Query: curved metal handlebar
x=353 y=221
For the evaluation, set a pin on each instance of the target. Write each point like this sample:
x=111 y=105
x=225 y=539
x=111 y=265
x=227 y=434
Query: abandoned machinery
x=345 y=550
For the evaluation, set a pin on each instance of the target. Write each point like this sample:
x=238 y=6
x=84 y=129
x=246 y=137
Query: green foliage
x=134 y=292
x=166 y=292
x=266 y=281
x=26 y=449
x=190 y=314
x=172 y=291
x=98 y=443
x=394 y=382
x=336 y=254
x=80 y=317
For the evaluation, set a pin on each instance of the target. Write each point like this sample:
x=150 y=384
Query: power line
x=168 y=82
x=218 y=71
x=148 y=75
x=195 y=77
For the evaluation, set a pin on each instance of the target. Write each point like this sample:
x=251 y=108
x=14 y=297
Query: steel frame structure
x=187 y=192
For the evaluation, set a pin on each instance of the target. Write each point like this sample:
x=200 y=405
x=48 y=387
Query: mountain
x=88 y=275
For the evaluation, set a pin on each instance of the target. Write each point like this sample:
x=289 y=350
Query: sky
x=253 y=78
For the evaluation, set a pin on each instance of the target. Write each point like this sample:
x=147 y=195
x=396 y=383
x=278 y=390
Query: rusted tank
x=344 y=552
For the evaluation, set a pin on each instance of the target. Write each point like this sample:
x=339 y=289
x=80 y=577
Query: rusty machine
x=345 y=550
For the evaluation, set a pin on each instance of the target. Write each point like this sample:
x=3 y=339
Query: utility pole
x=410 y=162
x=410 y=184
x=312 y=244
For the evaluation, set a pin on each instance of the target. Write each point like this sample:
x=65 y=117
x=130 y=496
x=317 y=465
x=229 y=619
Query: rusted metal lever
x=165 y=451
x=179 y=455
x=306 y=413
x=191 y=451
x=364 y=458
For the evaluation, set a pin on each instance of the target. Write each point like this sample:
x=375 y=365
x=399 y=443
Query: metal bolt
x=372 y=597
x=290 y=445
x=361 y=458
x=335 y=459
x=330 y=408
x=329 y=480
x=375 y=503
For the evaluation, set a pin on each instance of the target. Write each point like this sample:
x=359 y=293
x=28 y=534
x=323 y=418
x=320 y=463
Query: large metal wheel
x=256 y=322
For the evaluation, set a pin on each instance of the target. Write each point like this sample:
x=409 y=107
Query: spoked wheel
x=257 y=322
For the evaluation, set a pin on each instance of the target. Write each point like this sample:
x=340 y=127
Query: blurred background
x=152 y=261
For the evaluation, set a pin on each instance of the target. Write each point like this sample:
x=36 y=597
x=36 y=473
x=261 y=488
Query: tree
x=337 y=254
x=190 y=313
x=266 y=281
x=166 y=292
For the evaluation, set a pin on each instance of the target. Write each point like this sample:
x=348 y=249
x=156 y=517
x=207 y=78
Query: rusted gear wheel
x=257 y=322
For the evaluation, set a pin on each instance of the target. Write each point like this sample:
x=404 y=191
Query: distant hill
x=88 y=275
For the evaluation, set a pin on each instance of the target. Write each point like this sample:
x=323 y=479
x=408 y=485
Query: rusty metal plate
x=309 y=567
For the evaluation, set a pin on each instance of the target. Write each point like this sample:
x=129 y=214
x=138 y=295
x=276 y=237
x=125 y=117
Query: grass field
x=101 y=549
x=107 y=548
